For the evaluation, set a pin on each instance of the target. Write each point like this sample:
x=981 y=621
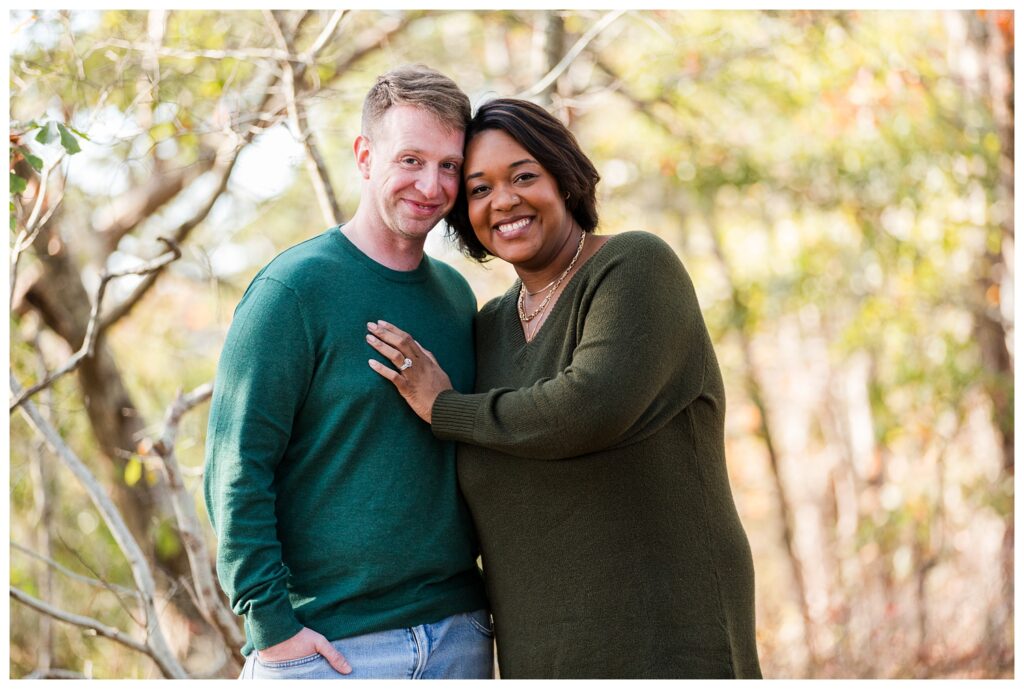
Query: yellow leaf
x=132 y=471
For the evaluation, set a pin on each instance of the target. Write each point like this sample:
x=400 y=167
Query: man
x=343 y=540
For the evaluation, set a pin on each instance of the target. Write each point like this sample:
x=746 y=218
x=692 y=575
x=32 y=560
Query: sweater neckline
x=522 y=345
x=417 y=274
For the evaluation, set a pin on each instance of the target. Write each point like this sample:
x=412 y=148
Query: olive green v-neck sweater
x=593 y=464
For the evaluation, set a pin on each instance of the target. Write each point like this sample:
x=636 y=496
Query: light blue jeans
x=457 y=647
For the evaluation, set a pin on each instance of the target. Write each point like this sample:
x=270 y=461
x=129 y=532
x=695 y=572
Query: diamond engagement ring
x=405 y=364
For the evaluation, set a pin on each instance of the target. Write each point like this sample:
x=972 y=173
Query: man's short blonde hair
x=421 y=86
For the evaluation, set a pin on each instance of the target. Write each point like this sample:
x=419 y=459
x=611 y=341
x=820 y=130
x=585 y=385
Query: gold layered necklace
x=551 y=287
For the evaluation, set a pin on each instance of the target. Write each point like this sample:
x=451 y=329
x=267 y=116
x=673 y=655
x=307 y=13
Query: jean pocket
x=481 y=621
x=293 y=662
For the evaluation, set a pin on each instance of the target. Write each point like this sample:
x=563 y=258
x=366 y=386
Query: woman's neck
x=540 y=277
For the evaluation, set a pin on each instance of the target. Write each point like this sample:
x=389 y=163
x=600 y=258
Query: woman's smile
x=511 y=228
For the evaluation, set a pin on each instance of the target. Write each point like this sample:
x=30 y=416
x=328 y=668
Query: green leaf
x=35 y=161
x=18 y=184
x=168 y=545
x=132 y=471
x=67 y=140
x=79 y=134
x=47 y=134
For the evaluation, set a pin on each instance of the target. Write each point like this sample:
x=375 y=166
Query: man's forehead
x=423 y=138
x=413 y=121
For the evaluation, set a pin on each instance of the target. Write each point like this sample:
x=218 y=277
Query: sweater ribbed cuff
x=272 y=622
x=453 y=415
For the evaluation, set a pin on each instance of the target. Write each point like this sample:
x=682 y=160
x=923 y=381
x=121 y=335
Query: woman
x=592 y=455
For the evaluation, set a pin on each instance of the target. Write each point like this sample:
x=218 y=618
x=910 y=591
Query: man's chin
x=418 y=229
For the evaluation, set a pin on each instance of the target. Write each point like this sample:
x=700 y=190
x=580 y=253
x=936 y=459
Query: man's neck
x=383 y=245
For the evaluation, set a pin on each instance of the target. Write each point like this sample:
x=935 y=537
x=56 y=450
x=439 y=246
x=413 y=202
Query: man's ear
x=361 y=147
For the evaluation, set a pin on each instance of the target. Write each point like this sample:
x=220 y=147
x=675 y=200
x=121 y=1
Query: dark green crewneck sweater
x=334 y=505
x=594 y=467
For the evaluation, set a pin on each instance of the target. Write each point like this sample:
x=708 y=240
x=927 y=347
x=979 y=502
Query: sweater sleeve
x=639 y=360
x=264 y=372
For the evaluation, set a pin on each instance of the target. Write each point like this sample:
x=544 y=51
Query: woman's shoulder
x=639 y=242
x=640 y=251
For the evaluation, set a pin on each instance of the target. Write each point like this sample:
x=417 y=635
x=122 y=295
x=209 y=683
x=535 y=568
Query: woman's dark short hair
x=551 y=144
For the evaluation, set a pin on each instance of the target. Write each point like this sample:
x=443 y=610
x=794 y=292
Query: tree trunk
x=783 y=499
x=991 y=35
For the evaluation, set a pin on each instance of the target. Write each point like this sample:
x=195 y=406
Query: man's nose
x=428 y=183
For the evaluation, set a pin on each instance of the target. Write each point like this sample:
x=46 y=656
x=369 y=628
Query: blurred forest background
x=839 y=185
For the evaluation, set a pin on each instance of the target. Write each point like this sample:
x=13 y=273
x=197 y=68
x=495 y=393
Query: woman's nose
x=506 y=199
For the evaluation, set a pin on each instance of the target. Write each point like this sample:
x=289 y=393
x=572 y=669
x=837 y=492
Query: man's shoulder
x=301 y=263
x=313 y=249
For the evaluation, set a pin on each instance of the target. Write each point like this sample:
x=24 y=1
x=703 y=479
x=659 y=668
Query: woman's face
x=515 y=207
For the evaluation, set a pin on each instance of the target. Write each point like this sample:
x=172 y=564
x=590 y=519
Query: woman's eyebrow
x=511 y=166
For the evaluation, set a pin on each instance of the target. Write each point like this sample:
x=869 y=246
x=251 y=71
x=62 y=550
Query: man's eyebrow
x=510 y=167
x=420 y=151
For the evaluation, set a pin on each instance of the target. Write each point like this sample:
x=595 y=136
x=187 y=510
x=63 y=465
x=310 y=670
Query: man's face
x=413 y=168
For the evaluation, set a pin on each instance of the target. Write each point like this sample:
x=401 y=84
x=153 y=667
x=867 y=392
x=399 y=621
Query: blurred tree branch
x=209 y=599
x=315 y=165
x=55 y=673
x=119 y=590
x=226 y=162
x=89 y=623
x=92 y=331
x=30 y=231
x=156 y=645
x=577 y=48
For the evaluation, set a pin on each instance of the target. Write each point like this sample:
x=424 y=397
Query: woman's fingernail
x=371 y=326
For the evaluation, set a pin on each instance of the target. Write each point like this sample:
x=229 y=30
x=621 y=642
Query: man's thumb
x=337 y=661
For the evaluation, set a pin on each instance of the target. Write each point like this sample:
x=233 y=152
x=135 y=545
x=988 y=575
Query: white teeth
x=510 y=227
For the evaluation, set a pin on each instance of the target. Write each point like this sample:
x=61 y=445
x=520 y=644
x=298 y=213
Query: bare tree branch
x=573 y=53
x=206 y=593
x=108 y=586
x=81 y=621
x=142 y=201
x=315 y=165
x=55 y=673
x=266 y=119
x=244 y=54
x=121 y=590
x=32 y=226
x=92 y=331
x=124 y=308
x=325 y=35
x=156 y=644
x=42 y=498
x=226 y=159
x=374 y=43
